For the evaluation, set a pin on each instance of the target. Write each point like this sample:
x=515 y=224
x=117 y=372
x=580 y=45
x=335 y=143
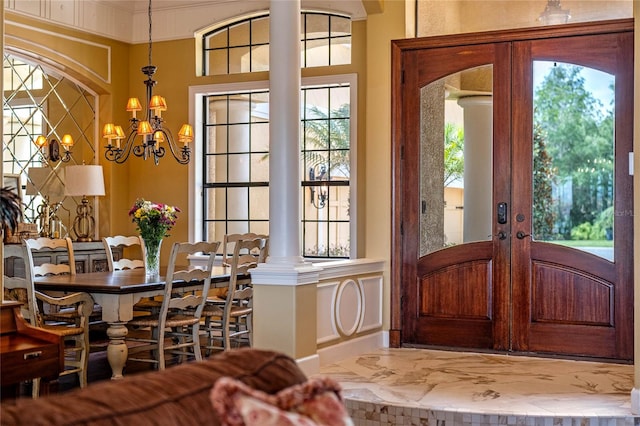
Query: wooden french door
x=520 y=240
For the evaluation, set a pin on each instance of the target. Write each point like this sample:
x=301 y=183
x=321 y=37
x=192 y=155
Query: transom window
x=243 y=46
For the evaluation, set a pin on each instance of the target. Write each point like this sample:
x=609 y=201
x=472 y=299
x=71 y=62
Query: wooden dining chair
x=218 y=295
x=132 y=244
x=75 y=332
x=233 y=319
x=175 y=329
x=55 y=312
x=44 y=243
x=228 y=245
x=40 y=268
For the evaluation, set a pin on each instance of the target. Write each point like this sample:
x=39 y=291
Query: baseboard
x=310 y=365
x=353 y=347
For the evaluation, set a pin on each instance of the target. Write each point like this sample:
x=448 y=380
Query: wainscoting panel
x=326 y=295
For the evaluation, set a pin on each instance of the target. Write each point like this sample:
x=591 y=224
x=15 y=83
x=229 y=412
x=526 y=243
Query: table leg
x=117 y=350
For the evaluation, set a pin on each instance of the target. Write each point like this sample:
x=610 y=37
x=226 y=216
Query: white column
x=284 y=132
x=478 y=167
x=285 y=317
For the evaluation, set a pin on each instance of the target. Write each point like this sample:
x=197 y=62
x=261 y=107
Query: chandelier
x=151 y=129
x=554 y=14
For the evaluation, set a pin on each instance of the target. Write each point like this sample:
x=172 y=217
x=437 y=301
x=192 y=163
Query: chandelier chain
x=150 y=43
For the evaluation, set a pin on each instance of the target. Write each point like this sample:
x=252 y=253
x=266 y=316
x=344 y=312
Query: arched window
x=233 y=177
x=243 y=46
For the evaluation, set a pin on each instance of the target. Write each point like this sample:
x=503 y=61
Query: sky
x=596 y=82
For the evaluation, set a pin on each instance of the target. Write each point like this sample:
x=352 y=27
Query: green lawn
x=584 y=243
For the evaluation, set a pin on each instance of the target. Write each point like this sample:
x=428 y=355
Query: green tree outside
x=578 y=134
x=453 y=153
x=544 y=212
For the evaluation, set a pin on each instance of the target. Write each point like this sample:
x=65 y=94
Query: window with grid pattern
x=235 y=146
x=243 y=46
x=235 y=196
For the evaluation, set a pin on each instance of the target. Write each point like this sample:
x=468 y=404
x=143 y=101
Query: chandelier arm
x=122 y=154
x=140 y=151
x=181 y=155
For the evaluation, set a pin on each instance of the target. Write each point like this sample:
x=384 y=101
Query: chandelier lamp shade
x=147 y=136
x=50 y=150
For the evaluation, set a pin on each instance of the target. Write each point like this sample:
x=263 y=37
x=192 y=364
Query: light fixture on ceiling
x=554 y=14
x=151 y=129
x=50 y=150
x=319 y=193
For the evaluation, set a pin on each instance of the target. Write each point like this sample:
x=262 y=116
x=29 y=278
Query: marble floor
x=442 y=388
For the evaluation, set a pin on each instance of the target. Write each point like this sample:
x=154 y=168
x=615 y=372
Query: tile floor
x=441 y=388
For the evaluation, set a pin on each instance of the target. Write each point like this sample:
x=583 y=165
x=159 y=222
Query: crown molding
x=126 y=20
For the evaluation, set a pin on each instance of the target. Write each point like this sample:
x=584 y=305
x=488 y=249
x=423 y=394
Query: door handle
x=521 y=235
x=502 y=213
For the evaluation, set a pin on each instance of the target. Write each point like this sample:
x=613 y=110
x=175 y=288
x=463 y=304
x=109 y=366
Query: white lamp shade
x=46 y=181
x=84 y=180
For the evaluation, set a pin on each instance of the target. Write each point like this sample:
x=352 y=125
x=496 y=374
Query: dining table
x=116 y=292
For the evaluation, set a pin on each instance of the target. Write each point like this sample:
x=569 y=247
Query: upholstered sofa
x=179 y=395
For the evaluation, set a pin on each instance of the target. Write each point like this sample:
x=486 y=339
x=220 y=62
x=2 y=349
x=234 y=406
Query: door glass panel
x=456 y=136
x=573 y=157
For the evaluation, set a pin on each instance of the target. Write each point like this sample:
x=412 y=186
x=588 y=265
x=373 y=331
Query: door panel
x=456 y=297
x=456 y=301
x=566 y=299
x=533 y=260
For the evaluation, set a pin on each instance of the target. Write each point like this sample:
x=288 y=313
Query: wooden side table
x=26 y=352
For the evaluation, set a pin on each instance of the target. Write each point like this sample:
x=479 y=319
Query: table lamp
x=85 y=181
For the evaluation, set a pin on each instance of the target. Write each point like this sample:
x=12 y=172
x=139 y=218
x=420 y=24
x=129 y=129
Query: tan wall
x=376 y=182
x=464 y=16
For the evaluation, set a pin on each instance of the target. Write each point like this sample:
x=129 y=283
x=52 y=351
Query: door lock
x=502 y=213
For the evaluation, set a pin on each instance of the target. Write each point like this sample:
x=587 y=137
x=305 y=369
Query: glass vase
x=152 y=257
